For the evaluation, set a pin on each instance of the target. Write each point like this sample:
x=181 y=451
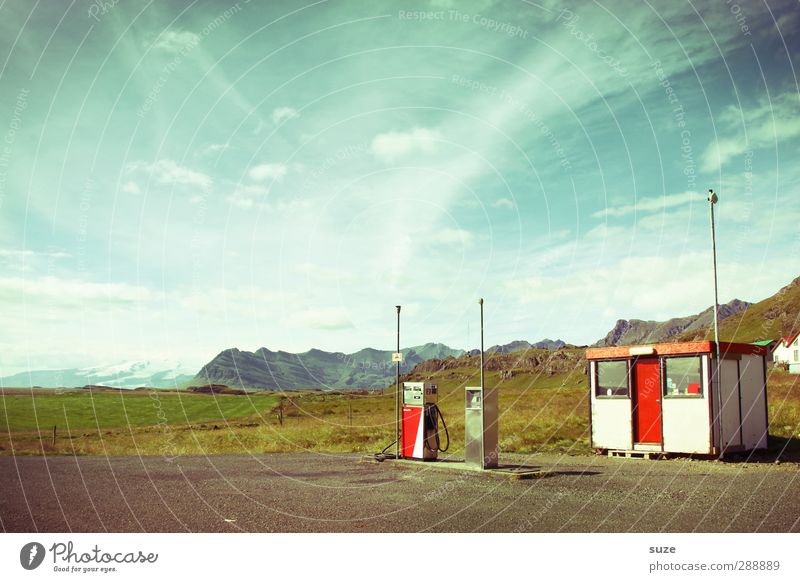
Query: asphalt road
x=335 y=493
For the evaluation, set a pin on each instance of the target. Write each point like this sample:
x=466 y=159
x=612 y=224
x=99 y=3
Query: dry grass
x=538 y=413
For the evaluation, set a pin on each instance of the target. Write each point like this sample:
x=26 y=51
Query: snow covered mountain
x=133 y=374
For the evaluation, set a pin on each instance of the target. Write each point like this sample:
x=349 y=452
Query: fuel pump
x=420 y=422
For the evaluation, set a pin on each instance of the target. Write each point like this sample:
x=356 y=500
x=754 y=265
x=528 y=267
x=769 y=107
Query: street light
x=712 y=200
x=397 y=393
x=480 y=302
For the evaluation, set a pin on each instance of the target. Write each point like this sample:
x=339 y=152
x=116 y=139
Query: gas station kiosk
x=480 y=428
x=420 y=422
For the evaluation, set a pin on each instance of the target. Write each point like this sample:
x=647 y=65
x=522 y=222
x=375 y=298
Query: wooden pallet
x=649 y=455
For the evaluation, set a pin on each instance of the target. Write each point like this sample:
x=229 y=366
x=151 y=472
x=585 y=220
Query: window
x=796 y=352
x=684 y=377
x=612 y=378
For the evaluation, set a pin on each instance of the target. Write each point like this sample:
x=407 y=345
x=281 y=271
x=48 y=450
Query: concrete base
x=514 y=472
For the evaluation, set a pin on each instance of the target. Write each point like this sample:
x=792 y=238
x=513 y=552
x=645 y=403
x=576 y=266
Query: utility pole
x=480 y=302
x=713 y=199
x=397 y=394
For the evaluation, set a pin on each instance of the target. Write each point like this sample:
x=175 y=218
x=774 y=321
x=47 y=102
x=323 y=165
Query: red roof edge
x=676 y=348
x=787 y=339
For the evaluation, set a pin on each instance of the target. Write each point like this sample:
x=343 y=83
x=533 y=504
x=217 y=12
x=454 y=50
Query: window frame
x=597 y=394
x=665 y=394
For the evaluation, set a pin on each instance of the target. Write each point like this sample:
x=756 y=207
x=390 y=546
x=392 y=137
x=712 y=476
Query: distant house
x=788 y=352
x=769 y=345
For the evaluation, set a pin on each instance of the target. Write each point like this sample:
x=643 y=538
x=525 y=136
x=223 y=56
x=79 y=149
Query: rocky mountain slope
x=268 y=370
x=627 y=332
x=775 y=316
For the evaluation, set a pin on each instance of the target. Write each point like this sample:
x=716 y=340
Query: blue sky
x=178 y=178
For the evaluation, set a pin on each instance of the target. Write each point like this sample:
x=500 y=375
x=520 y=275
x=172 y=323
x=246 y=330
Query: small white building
x=788 y=352
x=661 y=399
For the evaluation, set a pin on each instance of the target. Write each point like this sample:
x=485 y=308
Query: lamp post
x=712 y=200
x=397 y=394
x=480 y=302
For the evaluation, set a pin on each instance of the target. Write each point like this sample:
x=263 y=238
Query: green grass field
x=71 y=410
x=539 y=413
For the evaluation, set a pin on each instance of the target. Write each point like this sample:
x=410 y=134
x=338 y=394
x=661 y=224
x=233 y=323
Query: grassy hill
x=775 y=316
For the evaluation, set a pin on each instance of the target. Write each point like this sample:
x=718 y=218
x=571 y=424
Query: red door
x=647 y=401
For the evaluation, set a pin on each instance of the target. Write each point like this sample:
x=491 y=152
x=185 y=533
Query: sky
x=177 y=178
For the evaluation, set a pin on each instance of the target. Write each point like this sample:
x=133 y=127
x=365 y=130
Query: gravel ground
x=342 y=493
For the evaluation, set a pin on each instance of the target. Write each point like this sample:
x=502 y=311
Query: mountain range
x=133 y=374
x=369 y=368
x=775 y=316
x=268 y=370
x=630 y=332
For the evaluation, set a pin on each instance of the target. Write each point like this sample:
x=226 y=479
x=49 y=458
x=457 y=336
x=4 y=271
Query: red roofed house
x=660 y=398
x=788 y=352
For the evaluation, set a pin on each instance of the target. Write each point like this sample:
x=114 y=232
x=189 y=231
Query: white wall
x=754 y=420
x=686 y=421
x=729 y=375
x=611 y=419
x=786 y=353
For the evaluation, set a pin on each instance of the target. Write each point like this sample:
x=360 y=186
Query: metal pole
x=712 y=199
x=397 y=394
x=483 y=395
x=480 y=302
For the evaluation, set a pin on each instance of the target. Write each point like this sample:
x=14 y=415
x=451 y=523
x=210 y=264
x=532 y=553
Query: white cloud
x=247 y=196
x=175 y=41
x=27 y=253
x=230 y=303
x=322 y=273
x=764 y=125
x=56 y=291
x=131 y=187
x=281 y=114
x=392 y=145
x=215 y=148
x=504 y=203
x=451 y=236
x=651 y=204
x=324 y=318
x=170 y=173
x=264 y=172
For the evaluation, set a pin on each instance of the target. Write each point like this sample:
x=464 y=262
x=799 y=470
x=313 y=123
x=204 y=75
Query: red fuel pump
x=420 y=422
